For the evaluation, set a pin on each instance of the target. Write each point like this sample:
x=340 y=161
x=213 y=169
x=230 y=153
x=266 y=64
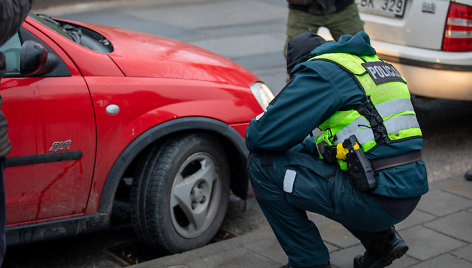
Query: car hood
x=145 y=55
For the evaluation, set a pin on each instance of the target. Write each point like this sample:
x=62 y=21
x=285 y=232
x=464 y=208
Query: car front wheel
x=180 y=194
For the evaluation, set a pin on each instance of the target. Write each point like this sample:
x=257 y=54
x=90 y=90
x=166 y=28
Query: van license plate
x=390 y=8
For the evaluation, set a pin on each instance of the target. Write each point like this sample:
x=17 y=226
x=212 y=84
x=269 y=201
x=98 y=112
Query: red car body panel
x=160 y=57
x=36 y=121
x=144 y=101
x=152 y=79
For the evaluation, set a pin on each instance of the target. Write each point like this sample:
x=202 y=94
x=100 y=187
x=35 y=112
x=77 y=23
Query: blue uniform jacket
x=316 y=91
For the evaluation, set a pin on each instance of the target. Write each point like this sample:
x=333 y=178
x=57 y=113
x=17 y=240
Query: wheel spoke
x=205 y=173
x=208 y=174
x=181 y=195
x=199 y=219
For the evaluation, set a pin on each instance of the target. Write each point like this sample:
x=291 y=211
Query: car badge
x=428 y=7
x=60 y=146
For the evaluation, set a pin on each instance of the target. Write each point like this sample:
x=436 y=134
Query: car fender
x=157 y=132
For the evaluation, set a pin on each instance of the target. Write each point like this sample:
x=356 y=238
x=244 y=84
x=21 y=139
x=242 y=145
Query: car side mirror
x=35 y=59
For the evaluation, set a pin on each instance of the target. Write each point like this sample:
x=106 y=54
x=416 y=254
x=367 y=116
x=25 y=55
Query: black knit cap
x=301 y=45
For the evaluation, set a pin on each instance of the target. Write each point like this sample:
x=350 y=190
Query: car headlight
x=262 y=93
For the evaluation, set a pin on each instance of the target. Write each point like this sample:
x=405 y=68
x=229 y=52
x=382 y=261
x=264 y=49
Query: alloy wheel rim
x=195 y=195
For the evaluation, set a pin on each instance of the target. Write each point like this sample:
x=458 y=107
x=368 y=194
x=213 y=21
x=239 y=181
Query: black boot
x=468 y=175
x=382 y=251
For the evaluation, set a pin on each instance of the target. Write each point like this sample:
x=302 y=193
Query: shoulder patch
x=382 y=72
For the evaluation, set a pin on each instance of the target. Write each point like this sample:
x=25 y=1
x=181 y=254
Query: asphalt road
x=41 y=4
x=250 y=32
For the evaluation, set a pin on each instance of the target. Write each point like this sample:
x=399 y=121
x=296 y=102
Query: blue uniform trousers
x=320 y=188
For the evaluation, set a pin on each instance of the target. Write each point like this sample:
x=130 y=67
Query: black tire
x=180 y=194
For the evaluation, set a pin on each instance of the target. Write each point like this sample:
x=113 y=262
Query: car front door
x=51 y=127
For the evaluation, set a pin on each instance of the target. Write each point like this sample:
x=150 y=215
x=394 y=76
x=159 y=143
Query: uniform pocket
x=309 y=189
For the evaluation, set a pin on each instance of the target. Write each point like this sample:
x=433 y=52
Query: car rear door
x=412 y=23
x=52 y=132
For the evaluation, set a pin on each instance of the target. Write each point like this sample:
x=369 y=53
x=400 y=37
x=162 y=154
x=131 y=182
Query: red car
x=98 y=115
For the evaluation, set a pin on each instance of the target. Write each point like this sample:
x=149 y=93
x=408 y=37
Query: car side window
x=11 y=49
x=60 y=69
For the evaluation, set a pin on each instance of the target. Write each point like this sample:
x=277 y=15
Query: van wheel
x=180 y=194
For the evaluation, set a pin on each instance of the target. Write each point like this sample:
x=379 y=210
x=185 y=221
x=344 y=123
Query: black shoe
x=383 y=251
x=327 y=265
x=468 y=175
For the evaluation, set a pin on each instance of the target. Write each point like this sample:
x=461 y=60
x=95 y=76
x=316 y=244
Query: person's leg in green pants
x=346 y=21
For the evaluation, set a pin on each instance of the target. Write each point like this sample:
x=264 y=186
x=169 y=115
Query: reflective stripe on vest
x=359 y=127
x=395 y=106
x=364 y=134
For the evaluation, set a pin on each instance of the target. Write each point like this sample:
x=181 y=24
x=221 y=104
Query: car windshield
x=80 y=35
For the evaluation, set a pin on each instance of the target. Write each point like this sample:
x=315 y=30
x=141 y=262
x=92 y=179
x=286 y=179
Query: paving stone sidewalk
x=438 y=232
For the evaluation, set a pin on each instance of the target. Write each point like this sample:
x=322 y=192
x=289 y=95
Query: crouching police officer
x=363 y=169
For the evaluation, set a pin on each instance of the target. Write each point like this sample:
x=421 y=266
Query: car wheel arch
x=232 y=141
